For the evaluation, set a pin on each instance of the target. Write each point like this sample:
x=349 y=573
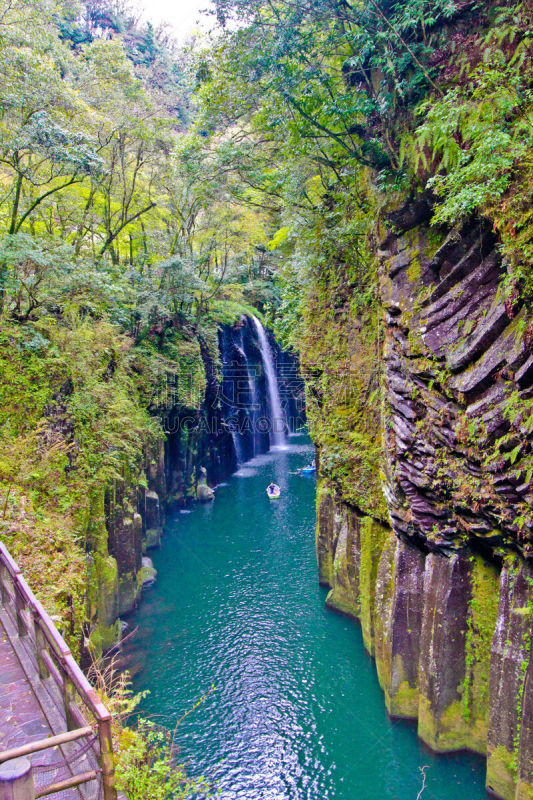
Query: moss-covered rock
x=377 y=544
x=325 y=534
x=442 y=665
x=344 y=581
x=102 y=594
x=398 y=646
x=148 y=572
x=481 y=624
x=509 y=736
x=434 y=625
x=152 y=538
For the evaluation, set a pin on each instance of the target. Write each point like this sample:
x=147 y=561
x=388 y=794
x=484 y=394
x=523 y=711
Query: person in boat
x=273 y=488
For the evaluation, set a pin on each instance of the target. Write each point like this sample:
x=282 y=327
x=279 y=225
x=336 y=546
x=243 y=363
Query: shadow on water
x=297 y=712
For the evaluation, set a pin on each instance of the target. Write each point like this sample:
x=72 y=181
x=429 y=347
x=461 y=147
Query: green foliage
x=472 y=144
x=146 y=767
x=120 y=254
x=478 y=131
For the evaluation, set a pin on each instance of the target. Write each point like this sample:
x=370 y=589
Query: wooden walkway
x=24 y=719
x=44 y=694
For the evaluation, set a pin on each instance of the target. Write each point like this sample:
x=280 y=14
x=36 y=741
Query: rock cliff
x=442 y=582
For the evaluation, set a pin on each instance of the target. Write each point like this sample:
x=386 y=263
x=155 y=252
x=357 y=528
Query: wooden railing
x=84 y=713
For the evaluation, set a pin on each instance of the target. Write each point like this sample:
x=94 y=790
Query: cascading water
x=277 y=435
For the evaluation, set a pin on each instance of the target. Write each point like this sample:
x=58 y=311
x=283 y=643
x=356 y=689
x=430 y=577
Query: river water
x=296 y=712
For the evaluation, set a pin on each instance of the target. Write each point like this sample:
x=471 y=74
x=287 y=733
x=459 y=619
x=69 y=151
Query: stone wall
x=450 y=633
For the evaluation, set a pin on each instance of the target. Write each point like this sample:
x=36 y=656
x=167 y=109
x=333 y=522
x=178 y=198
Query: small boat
x=273 y=491
x=309 y=470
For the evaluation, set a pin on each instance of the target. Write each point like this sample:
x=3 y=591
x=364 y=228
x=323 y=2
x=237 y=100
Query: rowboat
x=309 y=470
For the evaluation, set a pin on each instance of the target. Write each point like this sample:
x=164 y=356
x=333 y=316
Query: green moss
x=382 y=610
x=524 y=790
x=344 y=595
x=103 y=638
x=414 y=270
x=152 y=538
x=341 y=601
x=480 y=630
x=102 y=603
x=464 y=723
x=146 y=574
x=374 y=539
x=525 y=611
x=444 y=734
x=448 y=732
x=129 y=589
x=403 y=701
x=343 y=392
x=324 y=545
x=501 y=773
x=72 y=423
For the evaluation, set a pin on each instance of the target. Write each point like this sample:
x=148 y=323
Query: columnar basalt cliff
x=459 y=369
x=442 y=583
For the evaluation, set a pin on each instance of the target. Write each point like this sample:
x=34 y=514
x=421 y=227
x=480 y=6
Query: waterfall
x=276 y=414
x=250 y=407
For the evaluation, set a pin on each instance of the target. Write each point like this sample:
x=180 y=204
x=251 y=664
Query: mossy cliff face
x=88 y=461
x=457 y=451
x=441 y=583
x=511 y=734
x=120 y=523
x=450 y=635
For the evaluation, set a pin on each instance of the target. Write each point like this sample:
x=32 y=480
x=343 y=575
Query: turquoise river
x=296 y=712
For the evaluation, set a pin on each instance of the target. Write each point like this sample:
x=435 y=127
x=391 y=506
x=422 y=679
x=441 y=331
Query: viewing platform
x=55 y=733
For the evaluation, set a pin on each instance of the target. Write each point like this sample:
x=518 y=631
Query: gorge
x=319 y=215
x=293 y=706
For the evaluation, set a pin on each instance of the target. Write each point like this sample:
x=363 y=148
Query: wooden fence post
x=16 y=780
x=4 y=574
x=40 y=645
x=107 y=762
x=20 y=608
x=69 y=697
